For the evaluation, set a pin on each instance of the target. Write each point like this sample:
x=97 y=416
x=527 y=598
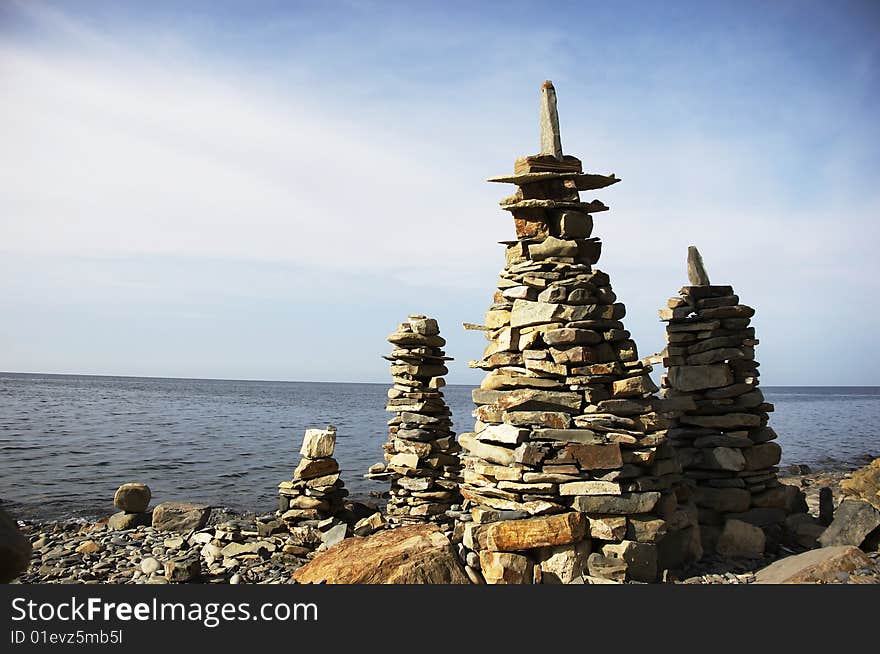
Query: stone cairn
x=568 y=471
x=421 y=454
x=316 y=493
x=722 y=438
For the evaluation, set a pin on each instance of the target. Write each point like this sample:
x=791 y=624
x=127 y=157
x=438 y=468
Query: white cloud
x=115 y=150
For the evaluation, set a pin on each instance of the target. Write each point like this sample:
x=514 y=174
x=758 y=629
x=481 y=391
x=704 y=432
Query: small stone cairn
x=132 y=499
x=568 y=474
x=722 y=438
x=421 y=454
x=316 y=491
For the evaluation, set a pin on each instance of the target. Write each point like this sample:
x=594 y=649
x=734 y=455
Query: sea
x=68 y=441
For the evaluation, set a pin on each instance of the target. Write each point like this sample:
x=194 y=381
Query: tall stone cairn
x=568 y=473
x=316 y=491
x=722 y=439
x=421 y=454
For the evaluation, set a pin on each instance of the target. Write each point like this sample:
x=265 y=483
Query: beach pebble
x=150 y=565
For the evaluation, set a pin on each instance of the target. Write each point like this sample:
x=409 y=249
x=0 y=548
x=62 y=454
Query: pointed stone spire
x=697 y=274
x=551 y=142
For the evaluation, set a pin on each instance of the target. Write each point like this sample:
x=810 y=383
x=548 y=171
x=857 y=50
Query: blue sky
x=263 y=190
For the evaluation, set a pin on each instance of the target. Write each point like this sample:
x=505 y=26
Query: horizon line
x=308 y=381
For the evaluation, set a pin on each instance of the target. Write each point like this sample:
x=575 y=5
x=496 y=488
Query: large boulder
x=180 y=516
x=417 y=554
x=864 y=484
x=15 y=549
x=853 y=521
x=814 y=567
x=132 y=497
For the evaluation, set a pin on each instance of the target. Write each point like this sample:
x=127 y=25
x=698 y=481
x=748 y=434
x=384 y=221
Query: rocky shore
x=576 y=471
x=258 y=549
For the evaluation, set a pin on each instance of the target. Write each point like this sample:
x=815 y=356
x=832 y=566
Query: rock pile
x=316 y=493
x=132 y=500
x=421 y=454
x=312 y=504
x=721 y=436
x=568 y=472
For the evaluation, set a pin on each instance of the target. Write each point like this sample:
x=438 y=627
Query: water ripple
x=69 y=441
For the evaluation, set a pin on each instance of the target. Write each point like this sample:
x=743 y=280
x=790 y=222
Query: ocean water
x=68 y=441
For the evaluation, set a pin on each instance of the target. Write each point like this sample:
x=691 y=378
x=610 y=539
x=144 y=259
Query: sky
x=264 y=190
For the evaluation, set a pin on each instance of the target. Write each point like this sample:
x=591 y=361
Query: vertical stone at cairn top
x=697 y=274
x=722 y=439
x=421 y=453
x=568 y=471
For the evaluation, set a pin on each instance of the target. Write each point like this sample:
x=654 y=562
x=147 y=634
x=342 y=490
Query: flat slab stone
x=586 y=207
x=583 y=181
x=543 y=531
x=813 y=567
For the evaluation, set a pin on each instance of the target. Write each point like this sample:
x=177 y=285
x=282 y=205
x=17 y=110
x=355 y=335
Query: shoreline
x=249 y=547
x=837 y=468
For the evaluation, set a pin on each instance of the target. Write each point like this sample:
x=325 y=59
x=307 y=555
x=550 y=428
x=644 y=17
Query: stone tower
x=568 y=470
x=722 y=438
x=421 y=454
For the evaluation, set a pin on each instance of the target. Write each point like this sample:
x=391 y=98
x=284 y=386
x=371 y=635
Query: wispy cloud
x=295 y=160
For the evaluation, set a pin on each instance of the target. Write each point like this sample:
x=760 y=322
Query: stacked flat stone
x=316 y=492
x=421 y=454
x=569 y=452
x=722 y=438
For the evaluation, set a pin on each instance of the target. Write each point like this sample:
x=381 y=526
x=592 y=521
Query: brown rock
x=309 y=468
x=183 y=570
x=132 y=497
x=121 y=521
x=608 y=527
x=543 y=531
x=633 y=387
x=596 y=457
x=318 y=443
x=814 y=567
x=89 y=547
x=506 y=568
x=864 y=484
x=180 y=516
x=417 y=554
x=564 y=563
